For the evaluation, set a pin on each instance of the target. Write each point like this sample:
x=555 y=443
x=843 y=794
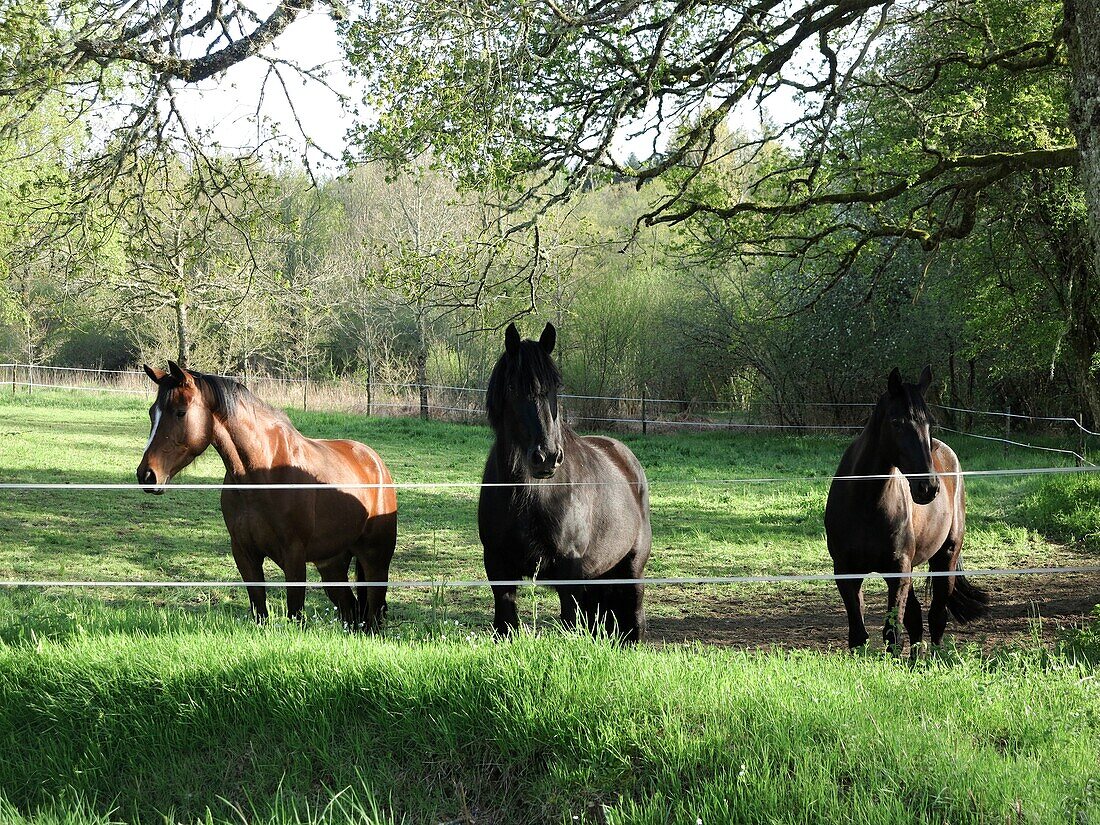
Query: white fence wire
x=445 y=583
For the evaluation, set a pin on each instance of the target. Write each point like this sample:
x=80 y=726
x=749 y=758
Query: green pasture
x=700 y=528
x=156 y=705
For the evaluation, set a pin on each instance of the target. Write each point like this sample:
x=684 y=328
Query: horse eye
x=181 y=413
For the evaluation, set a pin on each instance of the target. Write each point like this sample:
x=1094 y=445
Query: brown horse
x=259 y=445
x=913 y=511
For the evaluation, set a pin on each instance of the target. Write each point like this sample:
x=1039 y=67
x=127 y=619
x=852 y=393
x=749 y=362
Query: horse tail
x=967 y=601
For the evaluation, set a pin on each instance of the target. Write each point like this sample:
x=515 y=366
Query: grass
x=152 y=705
x=235 y=723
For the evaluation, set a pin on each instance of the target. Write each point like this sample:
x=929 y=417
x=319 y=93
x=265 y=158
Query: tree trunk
x=422 y=378
x=422 y=363
x=952 y=387
x=1082 y=35
x=970 y=393
x=183 y=332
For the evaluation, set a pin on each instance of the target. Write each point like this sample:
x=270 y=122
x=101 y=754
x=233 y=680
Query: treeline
x=226 y=264
x=231 y=267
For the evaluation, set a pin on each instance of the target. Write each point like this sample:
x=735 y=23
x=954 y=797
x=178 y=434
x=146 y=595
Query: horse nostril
x=148 y=477
x=560 y=457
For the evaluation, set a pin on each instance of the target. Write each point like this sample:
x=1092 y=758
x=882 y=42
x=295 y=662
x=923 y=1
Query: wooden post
x=1080 y=438
x=13 y=379
x=1008 y=427
x=643 y=410
x=370 y=396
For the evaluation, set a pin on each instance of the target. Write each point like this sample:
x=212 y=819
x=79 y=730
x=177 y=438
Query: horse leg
x=943 y=561
x=505 y=613
x=372 y=600
x=626 y=606
x=373 y=557
x=335 y=571
x=914 y=623
x=851 y=593
x=899 y=589
x=629 y=613
x=570 y=598
x=251 y=567
x=295 y=571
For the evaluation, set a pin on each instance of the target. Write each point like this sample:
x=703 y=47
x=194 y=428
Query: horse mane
x=915 y=404
x=227 y=394
x=531 y=370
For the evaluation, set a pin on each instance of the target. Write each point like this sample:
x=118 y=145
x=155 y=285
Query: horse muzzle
x=147 y=478
x=924 y=491
x=545 y=463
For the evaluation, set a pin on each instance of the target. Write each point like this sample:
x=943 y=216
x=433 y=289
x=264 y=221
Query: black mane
x=916 y=407
x=531 y=372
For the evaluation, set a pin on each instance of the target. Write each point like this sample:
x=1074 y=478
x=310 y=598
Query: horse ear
x=925 y=379
x=511 y=340
x=179 y=373
x=894 y=382
x=548 y=338
x=154 y=374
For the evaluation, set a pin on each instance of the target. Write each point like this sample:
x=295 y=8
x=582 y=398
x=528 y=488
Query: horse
x=258 y=445
x=912 y=511
x=569 y=507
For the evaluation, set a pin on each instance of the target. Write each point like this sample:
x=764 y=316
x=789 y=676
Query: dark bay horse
x=580 y=509
x=259 y=445
x=914 y=513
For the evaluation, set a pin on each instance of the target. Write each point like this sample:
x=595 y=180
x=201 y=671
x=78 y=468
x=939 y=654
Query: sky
x=227 y=105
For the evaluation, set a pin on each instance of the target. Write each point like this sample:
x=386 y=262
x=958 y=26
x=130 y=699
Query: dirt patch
x=1023 y=608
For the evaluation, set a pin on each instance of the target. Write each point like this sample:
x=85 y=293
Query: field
x=154 y=703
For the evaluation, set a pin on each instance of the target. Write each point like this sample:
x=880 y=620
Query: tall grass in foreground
x=236 y=724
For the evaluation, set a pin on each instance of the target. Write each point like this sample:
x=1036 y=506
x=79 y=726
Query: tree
x=117 y=67
x=535 y=95
x=191 y=245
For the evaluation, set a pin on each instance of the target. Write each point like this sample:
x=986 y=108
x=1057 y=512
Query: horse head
x=181 y=426
x=904 y=433
x=522 y=401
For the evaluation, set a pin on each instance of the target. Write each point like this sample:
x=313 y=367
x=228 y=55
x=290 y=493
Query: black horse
x=913 y=512
x=580 y=507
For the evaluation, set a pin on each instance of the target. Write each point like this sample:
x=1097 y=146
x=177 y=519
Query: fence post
x=370 y=396
x=643 y=409
x=1008 y=428
x=1080 y=438
x=13 y=379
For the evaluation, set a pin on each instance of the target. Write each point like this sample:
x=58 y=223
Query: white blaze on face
x=156 y=423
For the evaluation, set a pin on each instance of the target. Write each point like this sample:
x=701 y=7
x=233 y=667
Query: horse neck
x=869 y=457
x=246 y=443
